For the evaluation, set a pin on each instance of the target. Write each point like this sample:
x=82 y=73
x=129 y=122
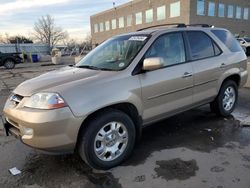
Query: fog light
x=27 y=133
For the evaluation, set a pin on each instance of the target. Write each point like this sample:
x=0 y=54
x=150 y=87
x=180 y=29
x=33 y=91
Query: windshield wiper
x=88 y=67
x=93 y=67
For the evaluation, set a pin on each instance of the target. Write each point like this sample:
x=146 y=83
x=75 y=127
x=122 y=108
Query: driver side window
x=170 y=48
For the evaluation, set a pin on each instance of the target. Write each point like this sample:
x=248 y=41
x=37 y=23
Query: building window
x=138 y=18
x=107 y=26
x=101 y=27
x=149 y=16
x=230 y=11
x=238 y=12
x=211 y=8
x=246 y=13
x=175 y=9
x=114 y=24
x=121 y=22
x=129 y=20
x=161 y=13
x=96 y=28
x=221 y=10
x=201 y=7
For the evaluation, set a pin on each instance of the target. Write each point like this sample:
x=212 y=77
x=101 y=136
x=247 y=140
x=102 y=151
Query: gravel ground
x=192 y=149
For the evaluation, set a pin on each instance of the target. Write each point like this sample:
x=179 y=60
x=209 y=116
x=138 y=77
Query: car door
x=207 y=65
x=169 y=89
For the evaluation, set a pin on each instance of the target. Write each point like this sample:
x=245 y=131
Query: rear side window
x=201 y=45
x=228 y=39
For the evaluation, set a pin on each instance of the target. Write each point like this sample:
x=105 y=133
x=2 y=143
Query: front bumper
x=51 y=130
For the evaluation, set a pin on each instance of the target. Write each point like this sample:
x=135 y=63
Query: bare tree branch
x=45 y=31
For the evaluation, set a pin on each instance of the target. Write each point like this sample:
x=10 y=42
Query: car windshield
x=114 y=54
x=247 y=39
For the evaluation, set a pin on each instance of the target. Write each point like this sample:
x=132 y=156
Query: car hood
x=47 y=81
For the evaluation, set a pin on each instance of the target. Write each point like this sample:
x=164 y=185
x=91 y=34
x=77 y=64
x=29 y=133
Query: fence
x=40 y=49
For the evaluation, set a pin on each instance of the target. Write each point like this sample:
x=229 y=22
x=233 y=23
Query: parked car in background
x=99 y=106
x=245 y=43
x=9 y=60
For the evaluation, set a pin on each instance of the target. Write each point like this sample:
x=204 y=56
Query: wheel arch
x=126 y=107
x=234 y=77
x=248 y=50
x=9 y=58
x=233 y=74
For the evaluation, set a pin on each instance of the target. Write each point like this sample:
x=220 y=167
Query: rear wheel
x=248 y=51
x=9 y=64
x=225 y=102
x=108 y=140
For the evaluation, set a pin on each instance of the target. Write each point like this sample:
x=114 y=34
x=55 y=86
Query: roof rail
x=162 y=25
x=200 y=25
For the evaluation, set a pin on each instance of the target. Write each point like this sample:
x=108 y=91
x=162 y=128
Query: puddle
x=176 y=169
x=190 y=130
x=140 y=178
x=50 y=171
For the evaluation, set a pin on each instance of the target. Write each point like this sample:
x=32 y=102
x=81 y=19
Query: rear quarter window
x=201 y=45
x=228 y=39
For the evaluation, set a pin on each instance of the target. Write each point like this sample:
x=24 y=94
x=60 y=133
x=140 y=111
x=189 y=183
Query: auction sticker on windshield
x=138 y=38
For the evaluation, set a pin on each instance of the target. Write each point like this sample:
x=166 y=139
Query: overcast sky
x=19 y=16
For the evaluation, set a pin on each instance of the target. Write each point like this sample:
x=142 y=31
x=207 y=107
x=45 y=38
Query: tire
x=9 y=64
x=90 y=144
x=248 y=51
x=230 y=99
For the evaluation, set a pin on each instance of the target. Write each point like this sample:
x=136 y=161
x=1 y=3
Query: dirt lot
x=192 y=149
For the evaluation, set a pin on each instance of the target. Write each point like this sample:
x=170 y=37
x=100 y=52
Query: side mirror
x=243 y=42
x=153 y=63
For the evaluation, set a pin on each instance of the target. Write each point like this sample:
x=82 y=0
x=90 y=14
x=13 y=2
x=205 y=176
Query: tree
x=47 y=32
x=1 y=39
x=19 y=39
x=88 y=39
x=4 y=39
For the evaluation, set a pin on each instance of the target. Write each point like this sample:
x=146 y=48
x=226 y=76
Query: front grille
x=13 y=123
x=12 y=127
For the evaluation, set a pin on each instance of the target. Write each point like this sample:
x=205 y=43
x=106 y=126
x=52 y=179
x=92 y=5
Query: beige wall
x=188 y=16
x=135 y=7
x=236 y=26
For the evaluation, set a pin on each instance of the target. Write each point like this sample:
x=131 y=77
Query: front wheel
x=9 y=64
x=108 y=140
x=225 y=102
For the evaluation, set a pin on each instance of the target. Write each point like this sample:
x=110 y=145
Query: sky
x=17 y=17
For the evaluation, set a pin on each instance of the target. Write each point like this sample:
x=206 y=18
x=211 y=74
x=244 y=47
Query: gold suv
x=99 y=106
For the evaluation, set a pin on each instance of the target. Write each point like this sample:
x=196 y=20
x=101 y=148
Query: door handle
x=223 y=65
x=187 y=74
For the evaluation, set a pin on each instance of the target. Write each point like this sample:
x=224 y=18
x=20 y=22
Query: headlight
x=45 y=101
